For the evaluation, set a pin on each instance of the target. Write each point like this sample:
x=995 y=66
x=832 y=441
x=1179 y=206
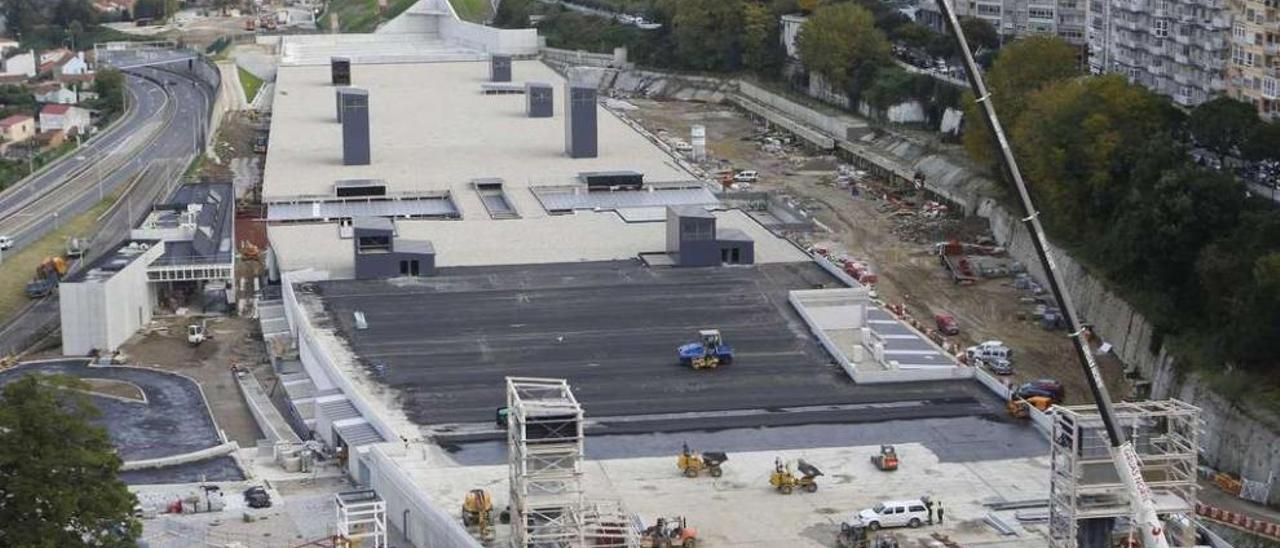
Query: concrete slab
x=741 y=509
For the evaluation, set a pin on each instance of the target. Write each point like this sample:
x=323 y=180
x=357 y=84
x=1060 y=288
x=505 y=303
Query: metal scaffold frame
x=545 y=448
x=362 y=515
x=1084 y=483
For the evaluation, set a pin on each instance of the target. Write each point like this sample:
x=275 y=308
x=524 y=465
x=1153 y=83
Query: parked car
x=746 y=176
x=999 y=367
x=257 y=497
x=946 y=324
x=5 y=242
x=892 y=513
x=989 y=350
x=1048 y=388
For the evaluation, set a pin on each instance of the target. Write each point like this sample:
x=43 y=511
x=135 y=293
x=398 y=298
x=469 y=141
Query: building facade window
x=1160 y=28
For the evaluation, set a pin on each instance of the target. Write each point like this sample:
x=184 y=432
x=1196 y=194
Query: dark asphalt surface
x=612 y=328
x=960 y=439
x=173 y=421
x=219 y=469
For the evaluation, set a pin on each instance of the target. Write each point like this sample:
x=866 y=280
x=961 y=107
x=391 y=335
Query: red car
x=946 y=324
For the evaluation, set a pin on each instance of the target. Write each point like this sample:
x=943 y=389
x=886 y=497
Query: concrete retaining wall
x=408 y=508
x=173 y=460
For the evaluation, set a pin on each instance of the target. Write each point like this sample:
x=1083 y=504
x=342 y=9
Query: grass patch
x=250 y=82
x=18 y=268
x=361 y=15
x=475 y=11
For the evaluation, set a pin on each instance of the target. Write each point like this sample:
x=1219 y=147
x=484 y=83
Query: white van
x=5 y=242
x=746 y=176
x=989 y=351
x=892 y=513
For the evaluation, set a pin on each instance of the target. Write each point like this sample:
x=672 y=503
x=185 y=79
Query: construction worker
x=939 y=512
x=928 y=503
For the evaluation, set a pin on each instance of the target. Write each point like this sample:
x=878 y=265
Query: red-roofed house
x=16 y=129
x=64 y=118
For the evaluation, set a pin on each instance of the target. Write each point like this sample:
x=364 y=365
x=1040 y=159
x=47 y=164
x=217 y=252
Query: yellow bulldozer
x=691 y=464
x=477 y=513
x=784 y=480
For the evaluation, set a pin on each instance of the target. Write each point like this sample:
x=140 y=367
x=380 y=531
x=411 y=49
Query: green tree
x=1222 y=124
x=1077 y=141
x=58 y=471
x=110 y=87
x=1263 y=142
x=513 y=14
x=841 y=43
x=1020 y=69
x=708 y=33
x=23 y=16
x=980 y=35
x=759 y=37
x=808 y=6
x=69 y=11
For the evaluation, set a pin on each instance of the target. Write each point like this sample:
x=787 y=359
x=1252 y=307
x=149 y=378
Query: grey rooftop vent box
x=500 y=68
x=360 y=187
x=539 y=99
x=355 y=127
x=580 y=122
x=340 y=70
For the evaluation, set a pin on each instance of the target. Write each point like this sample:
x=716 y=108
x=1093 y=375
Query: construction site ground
x=909 y=271
x=164 y=346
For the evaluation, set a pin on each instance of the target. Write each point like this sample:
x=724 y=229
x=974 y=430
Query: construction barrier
x=1240 y=521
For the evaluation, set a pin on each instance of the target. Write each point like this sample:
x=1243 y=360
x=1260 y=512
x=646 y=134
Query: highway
x=165 y=128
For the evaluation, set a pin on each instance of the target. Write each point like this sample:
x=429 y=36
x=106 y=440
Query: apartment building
x=1016 y=18
x=1253 y=70
x=1177 y=48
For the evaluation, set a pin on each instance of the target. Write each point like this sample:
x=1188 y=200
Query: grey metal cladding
x=500 y=68
x=340 y=71
x=539 y=100
x=580 y=122
x=355 y=127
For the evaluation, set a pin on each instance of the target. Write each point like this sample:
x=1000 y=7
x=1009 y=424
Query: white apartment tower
x=1016 y=18
x=1253 y=70
x=1177 y=48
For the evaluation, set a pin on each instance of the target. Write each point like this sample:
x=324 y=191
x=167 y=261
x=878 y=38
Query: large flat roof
x=611 y=329
x=535 y=238
x=433 y=129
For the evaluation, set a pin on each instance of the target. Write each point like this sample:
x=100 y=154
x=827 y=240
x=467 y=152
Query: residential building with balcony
x=1178 y=48
x=1253 y=70
x=1017 y=18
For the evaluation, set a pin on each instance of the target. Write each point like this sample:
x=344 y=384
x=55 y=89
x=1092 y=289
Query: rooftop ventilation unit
x=340 y=70
x=539 y=99
x=355 y=127
x=580 y=122
x=360 y=187
x=500 y=68
x=337 y=94
x=612 y=180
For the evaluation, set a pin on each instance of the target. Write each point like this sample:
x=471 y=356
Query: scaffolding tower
x=362 y=515
x=544 y=445
x=1086 y=495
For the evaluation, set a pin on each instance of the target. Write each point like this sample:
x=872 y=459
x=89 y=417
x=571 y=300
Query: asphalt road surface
x=612 y=328
x=174 y=420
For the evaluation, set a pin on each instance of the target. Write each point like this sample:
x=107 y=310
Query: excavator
x=477 y=513
x=1146 y=522
x=48 y=274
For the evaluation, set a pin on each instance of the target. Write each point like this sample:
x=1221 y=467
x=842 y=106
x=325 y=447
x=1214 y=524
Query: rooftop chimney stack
x=580 y=121
x=355 y=127
x=500 y=68
x=340 y=70
x=539 y=99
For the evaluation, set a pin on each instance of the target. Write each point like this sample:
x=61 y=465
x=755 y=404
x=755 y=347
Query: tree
x=759 y=43
x=1222 y=124
x=22 y=16
x=513 y=14
x=708 y=33
x=1077 y=141
x=1020 y=69
x=979 y=34
x=73 y=11
x=110 y=87
x=58 y=471
x=1263 y=142
x=841 y=43
x=809 y=6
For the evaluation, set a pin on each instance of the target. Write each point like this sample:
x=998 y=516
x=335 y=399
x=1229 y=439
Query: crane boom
x=1146 y=521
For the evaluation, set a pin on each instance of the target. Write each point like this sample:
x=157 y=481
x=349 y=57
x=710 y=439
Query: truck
x=48 y=274
x=953 y=258
x=946 y=324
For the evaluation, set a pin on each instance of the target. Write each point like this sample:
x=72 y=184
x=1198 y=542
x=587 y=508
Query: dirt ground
x=166 y=347
x=909 y=272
